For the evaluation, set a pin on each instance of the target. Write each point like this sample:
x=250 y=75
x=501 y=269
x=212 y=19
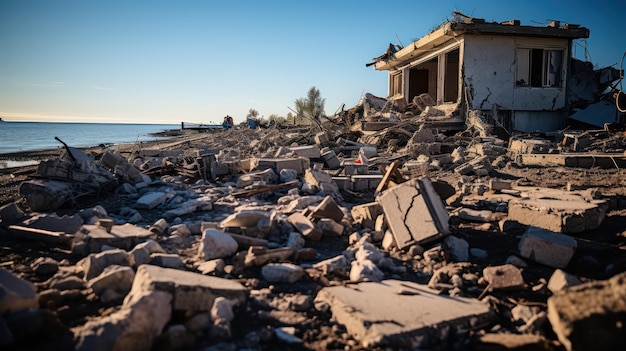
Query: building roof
x=458 y=27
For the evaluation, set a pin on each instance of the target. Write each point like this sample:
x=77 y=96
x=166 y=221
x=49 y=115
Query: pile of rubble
x=383 y=229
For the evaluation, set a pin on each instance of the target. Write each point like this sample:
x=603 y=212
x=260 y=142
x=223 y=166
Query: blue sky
x=196 y=61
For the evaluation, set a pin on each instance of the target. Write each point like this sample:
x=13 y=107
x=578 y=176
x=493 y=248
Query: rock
x=141 y=319
x=282 y=272
x=38 y=325
x=365 y=270
x=16 y=294
x=190 y=291
x=222 y=310
x=504 y=277
x=459 y=248
x=401 y=314
x=546 y=247
x=216 y=244
x=329 y=227
x=212 y=266
x=414 y=212
x=336 y=265
x=94 y=264
x=561 y=280
x=45 y=266
x=590 y=316
x=166 y=260
x=305 y=226
x=114 y=277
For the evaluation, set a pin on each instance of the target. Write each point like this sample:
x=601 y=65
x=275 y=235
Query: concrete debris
x=415 y=212
x=409 y=223
x=590 y=316
x=401 y=314
x=546 y=247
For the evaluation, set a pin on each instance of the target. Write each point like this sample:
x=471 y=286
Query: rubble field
x=392 y=231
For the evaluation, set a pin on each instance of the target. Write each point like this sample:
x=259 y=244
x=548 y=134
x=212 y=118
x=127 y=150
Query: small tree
x=311 y=106
x=252 y=113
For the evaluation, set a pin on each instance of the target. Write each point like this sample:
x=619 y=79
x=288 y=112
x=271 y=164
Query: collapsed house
x=519 y=76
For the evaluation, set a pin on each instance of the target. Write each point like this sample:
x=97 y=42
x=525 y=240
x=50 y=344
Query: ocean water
x=28 y=136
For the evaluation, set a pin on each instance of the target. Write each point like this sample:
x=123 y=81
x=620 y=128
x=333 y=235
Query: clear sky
x=158 y=61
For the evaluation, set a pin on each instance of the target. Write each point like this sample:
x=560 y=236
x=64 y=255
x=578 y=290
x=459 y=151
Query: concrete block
x=216 y=244
x=321 y=138
x=267 y=175
x=459 y=248
x=94 y=264
x=361 y=182
x=503 y=277
x=90 y=238
x=328 y=208
x=166 y=260
x=414 y=212
x=402 y=314
x=591 y=316
x=282 y=272
x=558 y=211
x=16 y=294
x=116 y=278
x=151 y=200
x=308 y=151
x=316 y=178
x=277 y=164
x=11 y=214
x=191 y=292
x=331 y=159
x=305 y=226
x=351 y=168
x=561 y=280
x=329 y=227
x=366 y=214
x=546 y=247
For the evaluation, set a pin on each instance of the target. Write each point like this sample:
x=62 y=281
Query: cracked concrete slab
x=402 y=314
x=415 y=212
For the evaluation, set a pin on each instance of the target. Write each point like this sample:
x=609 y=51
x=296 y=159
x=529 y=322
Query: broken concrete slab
x=282 y=272
x=190 y=291
x=299 y=164
x=567 y=214
x=328 y=208
x=308 y=151
x=114 y=277
x=402 y=314
x=90 y=238
x=504 y=277
x=590 y=316
x=546 y=247
x=560 y=280
x=415 y=212
x=366 y=214
x=152 y=200
x=216 y=244
x=305 y=226
x=16 y=294
x=94 y=264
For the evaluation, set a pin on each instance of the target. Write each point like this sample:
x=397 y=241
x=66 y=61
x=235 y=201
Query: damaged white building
x=515 y=73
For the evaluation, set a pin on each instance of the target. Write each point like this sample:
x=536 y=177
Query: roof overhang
x=451 y=30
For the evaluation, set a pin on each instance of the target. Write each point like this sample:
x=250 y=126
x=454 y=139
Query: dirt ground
x=601 y=255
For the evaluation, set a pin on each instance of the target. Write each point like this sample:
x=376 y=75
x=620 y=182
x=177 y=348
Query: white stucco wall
x=490 y=66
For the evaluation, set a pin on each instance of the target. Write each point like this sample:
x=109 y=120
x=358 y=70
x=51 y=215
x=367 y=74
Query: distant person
x=251 y=123
x=228 y=122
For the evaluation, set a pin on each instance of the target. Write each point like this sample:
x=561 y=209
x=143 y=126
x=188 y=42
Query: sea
x=29 y=136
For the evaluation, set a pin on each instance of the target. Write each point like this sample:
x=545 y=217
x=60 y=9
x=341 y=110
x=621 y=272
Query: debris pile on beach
x=373 y=230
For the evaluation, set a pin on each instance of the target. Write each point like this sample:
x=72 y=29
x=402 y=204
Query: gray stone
x=402 y=314
x=459 y=248
x=151 y=200
x=116 y=278
x=11 y=214
x=414 y=212
x=282 y=272
x=546 y=247
x=45 y=266
x=190 y=291
x=365 y=270
x=94 y=264
x=561 y=280
x=558 y=211
x=216 y=244
x=15 y=293
x=166 y=260
x=503 y=277
x=590 y=316
x=90 y=238
x=212 y=266
x=52 y=222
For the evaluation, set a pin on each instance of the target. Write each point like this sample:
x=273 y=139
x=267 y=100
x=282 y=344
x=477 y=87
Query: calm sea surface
x=27 y=136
